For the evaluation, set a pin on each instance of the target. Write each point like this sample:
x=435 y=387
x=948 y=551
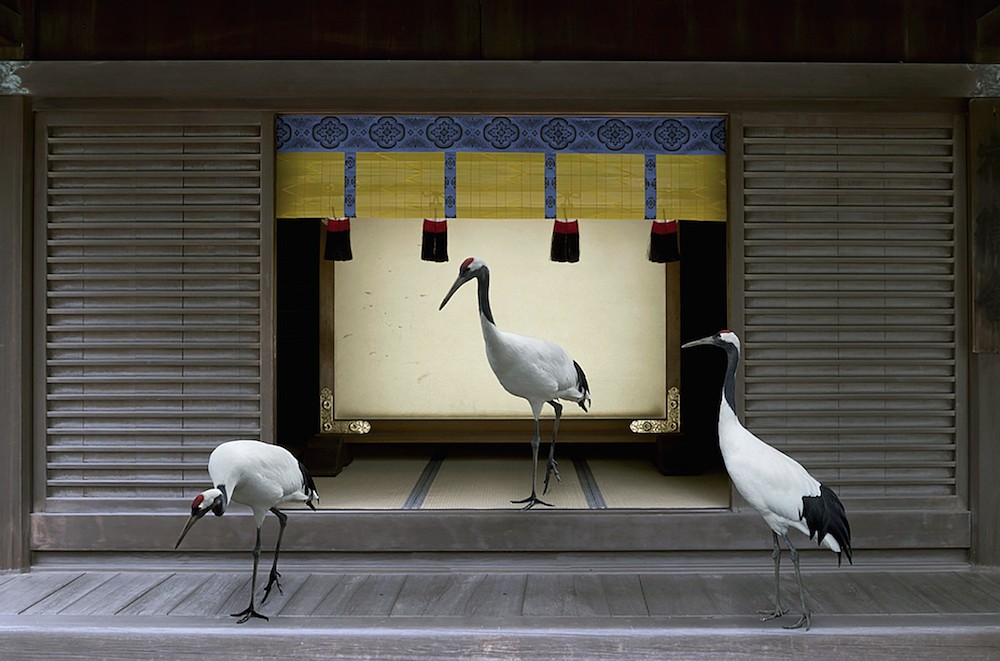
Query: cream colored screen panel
x=397 y=356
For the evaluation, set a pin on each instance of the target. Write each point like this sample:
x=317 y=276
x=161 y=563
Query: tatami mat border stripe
x=426 y=479
x=595 y=500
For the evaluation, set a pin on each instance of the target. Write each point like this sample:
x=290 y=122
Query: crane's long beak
x=459 y=281
x=710 y=340
x=187 y=526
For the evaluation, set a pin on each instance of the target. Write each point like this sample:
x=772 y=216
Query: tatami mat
x=383 y=483
x=492 y=482
x=637 y=484
x=451 y=479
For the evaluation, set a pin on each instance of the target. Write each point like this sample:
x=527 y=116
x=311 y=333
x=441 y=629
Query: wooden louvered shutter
x=852 y=288
x=156 y=261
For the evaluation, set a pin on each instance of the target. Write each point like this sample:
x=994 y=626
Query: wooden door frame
x=468 y=86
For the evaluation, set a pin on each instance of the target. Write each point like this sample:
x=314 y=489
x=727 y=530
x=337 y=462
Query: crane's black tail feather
x=308 y=486
x=582 y=386
x=825 y=515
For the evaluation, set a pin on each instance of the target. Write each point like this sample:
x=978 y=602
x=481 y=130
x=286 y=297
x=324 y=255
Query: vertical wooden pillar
x=15 y=331
x=984 y=218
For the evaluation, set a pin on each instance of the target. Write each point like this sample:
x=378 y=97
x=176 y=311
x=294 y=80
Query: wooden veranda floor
x=478 y=613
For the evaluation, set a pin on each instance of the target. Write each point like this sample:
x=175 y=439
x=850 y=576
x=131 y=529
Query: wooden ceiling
x=947 y=31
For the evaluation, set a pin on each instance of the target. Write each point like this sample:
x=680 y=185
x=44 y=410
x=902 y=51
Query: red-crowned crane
x=537 y=370
x=775 y=485
x=262 y=476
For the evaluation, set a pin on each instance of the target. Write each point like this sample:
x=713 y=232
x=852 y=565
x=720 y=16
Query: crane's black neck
x=729 y=385
x=483 y=276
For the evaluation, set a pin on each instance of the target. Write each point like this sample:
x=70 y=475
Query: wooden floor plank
x=565 y=595
x=25 y=590
x=949 y=594
x=624 y=595
x=446 y=595
x=314 y=589
x=210 y=595
x=842 y=593
x=60 y=599
x=290 y=582
x=363 y=595
x=677 y=594
x=240 y=598
x=893 y=595
x=988 y=582
x=163 y=597
x=739 y=594
x=113 y=595
x=498 y=595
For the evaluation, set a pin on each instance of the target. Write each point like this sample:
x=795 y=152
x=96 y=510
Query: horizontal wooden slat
x=849 y=240
x=153 y=302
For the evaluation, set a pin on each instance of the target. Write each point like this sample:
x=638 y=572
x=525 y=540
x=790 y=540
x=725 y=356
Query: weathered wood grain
x=66 y=595
x=25 y=590
x=477 y=614
x=164 y=596
x=439 y=594
x=209 y=597
x=565 y=595
x=311 y=594
x=115 y=594
x=841 y=593
x=364 y=594
x=624 y=595
x=677 y=594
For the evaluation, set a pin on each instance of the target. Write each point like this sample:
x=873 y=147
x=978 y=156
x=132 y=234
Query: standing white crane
x=262 y=476
x=537 y=370
x=775 y=485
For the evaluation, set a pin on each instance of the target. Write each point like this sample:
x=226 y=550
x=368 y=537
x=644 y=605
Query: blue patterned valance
x=514 y=133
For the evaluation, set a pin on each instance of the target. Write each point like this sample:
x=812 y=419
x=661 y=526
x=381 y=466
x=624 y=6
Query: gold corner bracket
x=672 y=423
x=328 y=425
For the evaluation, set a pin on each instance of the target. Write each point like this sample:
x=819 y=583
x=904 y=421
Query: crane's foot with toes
x=772 y=613
x=805 y=621
x=531 y=501
x=247 y=614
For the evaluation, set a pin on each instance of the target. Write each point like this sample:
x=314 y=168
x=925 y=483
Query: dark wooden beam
x=15 y=328
x=495 y=86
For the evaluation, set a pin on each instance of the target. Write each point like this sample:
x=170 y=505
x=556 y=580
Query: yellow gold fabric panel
x=309 y=184
x=691 y=187
x=600 y=186
x=400 y=185
x=500 y=185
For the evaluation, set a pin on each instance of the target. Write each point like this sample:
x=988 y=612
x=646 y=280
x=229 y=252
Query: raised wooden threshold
x=457 y=613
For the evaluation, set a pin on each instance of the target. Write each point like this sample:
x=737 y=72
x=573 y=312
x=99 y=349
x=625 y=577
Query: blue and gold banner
x=516 y=133
x=483 y=166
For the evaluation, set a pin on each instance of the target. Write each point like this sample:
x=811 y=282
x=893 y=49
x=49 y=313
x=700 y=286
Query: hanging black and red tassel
x=338 y=240
x=663 y=242
x=565 y=241
x=435 y=243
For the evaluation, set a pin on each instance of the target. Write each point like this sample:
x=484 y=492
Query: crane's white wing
x=528 y=367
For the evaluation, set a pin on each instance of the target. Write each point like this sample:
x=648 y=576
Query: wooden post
x=15 y=330
x=984 y=218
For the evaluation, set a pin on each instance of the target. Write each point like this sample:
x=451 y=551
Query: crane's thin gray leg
x=552 y=467
x=273 y=578
x=806 y=618
x=250 y=611
x=533 y=499
x=778 y=610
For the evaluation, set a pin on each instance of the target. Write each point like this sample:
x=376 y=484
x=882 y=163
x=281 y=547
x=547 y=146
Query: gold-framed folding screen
x=388 y=354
